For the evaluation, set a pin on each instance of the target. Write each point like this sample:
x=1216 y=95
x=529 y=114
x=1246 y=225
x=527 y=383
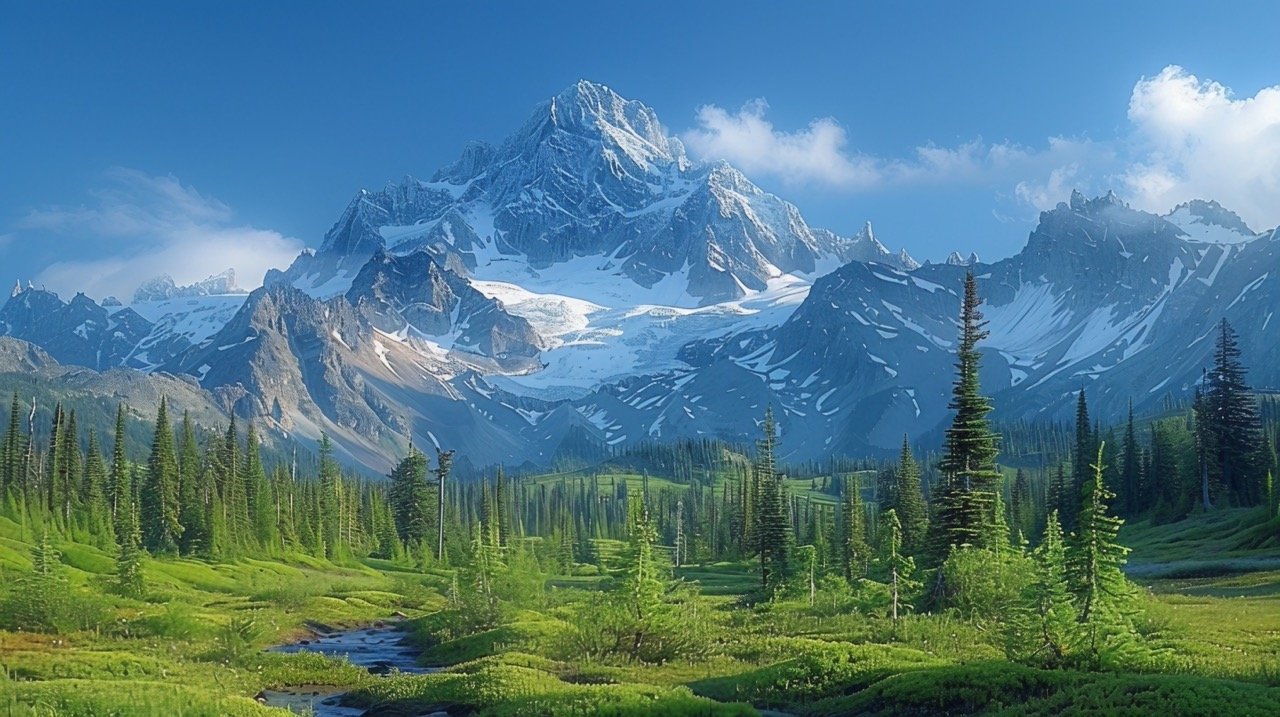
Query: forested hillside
x=697 y=577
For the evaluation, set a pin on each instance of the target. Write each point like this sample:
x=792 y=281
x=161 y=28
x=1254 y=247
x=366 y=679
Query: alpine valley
x=585 y=280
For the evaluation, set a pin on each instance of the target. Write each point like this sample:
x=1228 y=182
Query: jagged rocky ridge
x=590 y=174
x=527 y=294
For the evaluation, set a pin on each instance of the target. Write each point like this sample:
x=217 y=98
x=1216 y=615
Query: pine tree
x=159 y=494
x=644 y=585
x=909 y=501
x=329 y=485
x=1131 y=469
x=854 y=551
x=501 y=513
x=93 y=491
x=1081 y=455
x=1095 y=567
x=12 y=463
x=773 y=527
x=261 y=502
x=1234 y=427
x=191 y=507
x=1048 y=626
x=444 y=461
x=1021 y=505
x=410 y=499
x=129 y=578
x=899 y=567
x=969 y=474
x=119 y=485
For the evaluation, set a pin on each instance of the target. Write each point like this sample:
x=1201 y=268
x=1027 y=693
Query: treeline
x=205 y=494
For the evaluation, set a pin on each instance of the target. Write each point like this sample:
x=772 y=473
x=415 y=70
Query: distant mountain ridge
x=585 y=278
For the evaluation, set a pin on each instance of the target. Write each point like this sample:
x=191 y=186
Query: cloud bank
x=1194 y=139
x=1187 y=138
x=140 y=226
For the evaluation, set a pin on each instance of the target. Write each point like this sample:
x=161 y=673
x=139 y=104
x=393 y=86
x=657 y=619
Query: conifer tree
x=898 y=566
x=129 y=579
x=159 y=494
x=444 y=462
x=1095 y=567
x=1044 y=629
x=641 y=592
x=1081 y=456
x=1233 y=425
x=93 y=491
x=191 y=507
x=409 y=498
x=12 y=464
x=1131 y=470
x=909 y=501
x=854 y=551
x=119 y=485
x=1021 y=505
x=329 y=486
x=969 y=475
x=1058 y=491
x=773 y=527
x=261 y=502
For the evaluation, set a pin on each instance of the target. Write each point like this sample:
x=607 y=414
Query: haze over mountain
x=586 y=276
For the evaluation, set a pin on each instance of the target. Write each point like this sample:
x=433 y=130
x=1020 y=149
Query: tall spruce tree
x=898 y=566
x=329 y=485
x=1131 y=469
x=93 y=492
x=444 y=462
x=855 y=553
x=772 y=526
x=261 y=501
x=191 y=508
x=1021 y=505
x=158 y=497
x=410 y=499
x=1081 y=455
x=909 y=500
x=119 y=485
x=12 y=457
x=1233 y=425
x=963 y=509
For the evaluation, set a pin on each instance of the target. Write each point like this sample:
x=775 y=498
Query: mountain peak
x=1207 y=215
x=163 y=287
x=955 y=258
x=1081 y=204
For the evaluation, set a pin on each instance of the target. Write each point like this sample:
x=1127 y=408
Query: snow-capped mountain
x=1120 y=302
x=586 y=278
x=83 y=333
x=163 y=287
x=589 y=177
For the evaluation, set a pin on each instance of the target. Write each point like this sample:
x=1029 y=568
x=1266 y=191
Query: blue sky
x=186 y=136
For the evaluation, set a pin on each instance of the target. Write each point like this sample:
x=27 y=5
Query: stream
x=380 y=648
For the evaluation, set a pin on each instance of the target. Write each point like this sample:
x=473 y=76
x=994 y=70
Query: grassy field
x=193 y=646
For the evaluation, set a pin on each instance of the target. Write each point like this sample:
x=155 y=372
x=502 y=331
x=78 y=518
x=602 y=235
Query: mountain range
x=586 y=277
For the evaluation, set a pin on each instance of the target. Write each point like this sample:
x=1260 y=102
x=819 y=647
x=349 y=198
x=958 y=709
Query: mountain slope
x=1117 y=301
x=589 y=175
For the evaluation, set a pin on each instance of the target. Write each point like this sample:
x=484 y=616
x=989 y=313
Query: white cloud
x=819 y=154
x=1193 y=139
x=140 y=226
x=751 y=143
x=1188 y=139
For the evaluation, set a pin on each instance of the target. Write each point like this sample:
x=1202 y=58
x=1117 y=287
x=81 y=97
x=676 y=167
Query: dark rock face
x=83 y=333
x=414 y=293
